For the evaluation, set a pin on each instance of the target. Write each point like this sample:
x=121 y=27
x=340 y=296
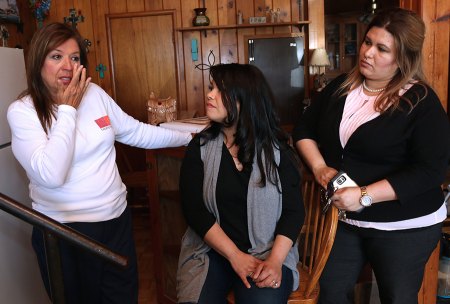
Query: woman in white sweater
x=63 y=133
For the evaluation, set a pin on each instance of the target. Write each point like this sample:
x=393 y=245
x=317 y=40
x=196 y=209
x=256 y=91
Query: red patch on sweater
x=103 y=122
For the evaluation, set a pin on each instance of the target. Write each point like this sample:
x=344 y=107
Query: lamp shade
x=319 y=58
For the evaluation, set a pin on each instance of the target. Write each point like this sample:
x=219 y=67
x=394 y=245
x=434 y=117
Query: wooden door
x=142 y=59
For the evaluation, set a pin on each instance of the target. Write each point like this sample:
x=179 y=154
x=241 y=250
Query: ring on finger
x=250 y=274
x=275 y=284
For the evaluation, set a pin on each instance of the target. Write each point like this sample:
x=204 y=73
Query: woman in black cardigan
x=385 y=127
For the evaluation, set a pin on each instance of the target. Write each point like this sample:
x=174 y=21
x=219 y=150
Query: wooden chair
x=135 y=180
x=315 y=242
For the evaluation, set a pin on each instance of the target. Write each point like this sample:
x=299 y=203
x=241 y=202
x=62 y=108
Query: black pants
x=88 y=279
x=397 y=258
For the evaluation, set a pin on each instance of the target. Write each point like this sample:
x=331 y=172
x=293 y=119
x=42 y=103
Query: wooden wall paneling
x=136 y=71
x=193 y=77
x=116 y=7
x=262 y=7
x=121 y=33
x=86 y=29
x=317 y=26
x=429 y=43
x=210 y=50
x=285 y=15
x=165 y=52
x=435 y=15
x=187 y=12
x=173 y=4
x=210 y=56
x=228 y=46
x=295 y=10
x=176 y=5
x=148 y=65
x=58 y=12
x=100 y=9
x=414 y=5
x=153 y=5
x=436 y=47
x=227 y=14
x=135 y=6
x=212 y=11
x=247 y=9
x=261 y=10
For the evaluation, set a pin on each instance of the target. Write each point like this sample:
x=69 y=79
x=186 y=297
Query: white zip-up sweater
x=72 y=170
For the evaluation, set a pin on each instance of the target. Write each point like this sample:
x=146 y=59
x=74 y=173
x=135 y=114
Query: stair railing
x=53 y=231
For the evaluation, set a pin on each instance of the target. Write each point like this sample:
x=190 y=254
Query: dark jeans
x=397 y=258
x=88 y=279
x=221 y=279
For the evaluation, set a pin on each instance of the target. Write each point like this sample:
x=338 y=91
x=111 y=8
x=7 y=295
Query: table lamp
x=319 y=60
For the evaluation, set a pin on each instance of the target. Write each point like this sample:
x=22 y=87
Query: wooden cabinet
x=343 y=36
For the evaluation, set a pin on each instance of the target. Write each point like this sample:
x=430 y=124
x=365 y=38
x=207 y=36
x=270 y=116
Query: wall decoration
x=206 y=66
x=74 y=18
x=40 y=10
x=9 y=11
x=101 y=68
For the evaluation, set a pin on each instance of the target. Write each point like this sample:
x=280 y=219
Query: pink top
x=358 y=109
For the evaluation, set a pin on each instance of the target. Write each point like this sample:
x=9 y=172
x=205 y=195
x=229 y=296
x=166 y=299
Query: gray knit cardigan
x=262 y=204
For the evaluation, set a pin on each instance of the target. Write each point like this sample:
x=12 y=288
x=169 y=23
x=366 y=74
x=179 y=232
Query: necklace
x=372 y=90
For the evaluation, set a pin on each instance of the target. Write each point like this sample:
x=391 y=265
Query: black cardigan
x=411 y=149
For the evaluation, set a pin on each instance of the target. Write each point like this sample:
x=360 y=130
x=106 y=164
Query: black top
x=410 y=148
x=231 y=197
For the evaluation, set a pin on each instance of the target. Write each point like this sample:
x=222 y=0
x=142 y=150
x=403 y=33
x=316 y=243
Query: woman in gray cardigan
x=240 y=193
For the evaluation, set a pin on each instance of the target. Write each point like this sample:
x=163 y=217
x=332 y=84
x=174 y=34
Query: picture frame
x=9 y=11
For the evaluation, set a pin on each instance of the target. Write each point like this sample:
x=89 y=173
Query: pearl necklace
x=372 y=90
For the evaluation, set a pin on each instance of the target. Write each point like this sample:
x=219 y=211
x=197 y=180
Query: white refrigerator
x=19 y=273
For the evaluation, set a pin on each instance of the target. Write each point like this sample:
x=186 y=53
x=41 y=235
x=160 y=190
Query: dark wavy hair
x=408 y=31
x=258 y=127
x=43 y=42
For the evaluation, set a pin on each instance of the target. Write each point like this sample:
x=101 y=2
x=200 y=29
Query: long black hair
x=258 y=126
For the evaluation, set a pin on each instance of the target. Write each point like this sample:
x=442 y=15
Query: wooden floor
x=141 y=228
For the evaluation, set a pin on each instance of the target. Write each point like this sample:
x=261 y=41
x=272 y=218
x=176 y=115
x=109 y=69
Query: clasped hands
x=265 y=273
